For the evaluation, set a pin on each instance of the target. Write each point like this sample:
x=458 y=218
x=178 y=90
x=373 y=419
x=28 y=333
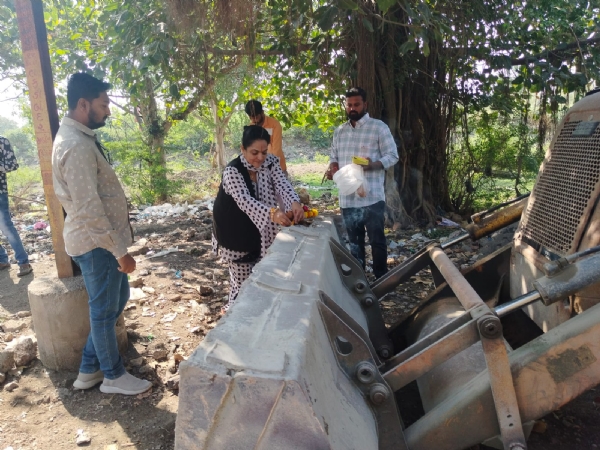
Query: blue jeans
x=8 y=229
x=108 y=291
x=370 y=218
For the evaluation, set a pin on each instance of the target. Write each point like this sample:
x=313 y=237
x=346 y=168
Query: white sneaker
x=88 y=380
x=126 y=384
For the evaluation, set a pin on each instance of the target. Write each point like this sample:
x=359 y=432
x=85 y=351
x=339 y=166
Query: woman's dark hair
x=83 y=85
x=254 y=133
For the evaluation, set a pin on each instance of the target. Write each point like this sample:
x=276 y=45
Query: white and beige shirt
x=90 y=192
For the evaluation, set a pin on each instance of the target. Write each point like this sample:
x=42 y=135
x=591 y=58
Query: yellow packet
x=360 y=161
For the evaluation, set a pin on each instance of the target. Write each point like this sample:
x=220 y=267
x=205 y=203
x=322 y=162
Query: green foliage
x=236 y=129
x=321 y=158
x=483 y=165
x=312 y=183
x=21 y=140
x=23 y=182
x=193 y=135
x=7 y=125
x=140 y=170
x=23 y=146
x=11 y=65
x=317 y=137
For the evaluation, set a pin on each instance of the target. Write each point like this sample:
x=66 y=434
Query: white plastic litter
x=349 y=179
x=168 y=318
x=169 y=210
x=136 y=294
x=448 y=223
x=163 y=252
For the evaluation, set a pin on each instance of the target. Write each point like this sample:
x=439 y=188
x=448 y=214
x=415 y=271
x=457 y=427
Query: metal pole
x=517 y=303
x=36 y=59
x=464 y=292
x=456 y=240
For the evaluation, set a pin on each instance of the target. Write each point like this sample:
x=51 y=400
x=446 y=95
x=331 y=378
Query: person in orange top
x=257 y=116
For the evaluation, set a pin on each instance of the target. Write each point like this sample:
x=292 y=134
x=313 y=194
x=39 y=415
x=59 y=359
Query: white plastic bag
x=349 y=179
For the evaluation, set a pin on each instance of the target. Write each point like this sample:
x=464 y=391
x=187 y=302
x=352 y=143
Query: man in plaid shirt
x=371 y=139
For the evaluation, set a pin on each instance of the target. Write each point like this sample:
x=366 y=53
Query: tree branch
x=560 y=49
x=261 y=51
x=191 y=106
x=479 y=51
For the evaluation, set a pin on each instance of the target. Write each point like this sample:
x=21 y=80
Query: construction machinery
x=305 y=361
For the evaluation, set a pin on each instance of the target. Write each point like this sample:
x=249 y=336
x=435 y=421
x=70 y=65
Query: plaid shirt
x=371 y=138
x=8 y=163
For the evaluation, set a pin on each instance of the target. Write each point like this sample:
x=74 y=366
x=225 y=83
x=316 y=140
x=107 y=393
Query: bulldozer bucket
x=278 y=372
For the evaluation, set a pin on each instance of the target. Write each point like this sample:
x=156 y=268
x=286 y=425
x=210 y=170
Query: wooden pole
x=36 y=58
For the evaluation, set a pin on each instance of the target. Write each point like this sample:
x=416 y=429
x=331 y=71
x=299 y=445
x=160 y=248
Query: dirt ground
x=184 y=291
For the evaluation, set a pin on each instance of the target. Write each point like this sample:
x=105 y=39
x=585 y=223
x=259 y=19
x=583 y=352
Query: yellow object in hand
x=360 y=161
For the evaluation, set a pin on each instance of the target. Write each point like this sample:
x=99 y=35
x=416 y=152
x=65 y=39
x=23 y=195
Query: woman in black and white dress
x=246 y=217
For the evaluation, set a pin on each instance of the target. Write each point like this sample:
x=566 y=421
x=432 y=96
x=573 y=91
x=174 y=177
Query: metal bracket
x=501 y=381
x=353 y=277
x=350 y=322
x=494 y=349
x=355 y=359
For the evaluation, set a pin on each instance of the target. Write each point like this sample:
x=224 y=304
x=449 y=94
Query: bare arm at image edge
x=277 y=144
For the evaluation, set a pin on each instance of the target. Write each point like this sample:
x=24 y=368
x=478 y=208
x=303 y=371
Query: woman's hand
x=297 y=212
x=280 y=218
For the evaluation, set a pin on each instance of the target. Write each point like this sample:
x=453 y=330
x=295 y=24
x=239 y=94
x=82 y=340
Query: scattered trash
x=169 y=210
x=447 y=223
x=136 y=293
x=161 y=253
x=82 y=438
x=168 y=317
x=393 y=244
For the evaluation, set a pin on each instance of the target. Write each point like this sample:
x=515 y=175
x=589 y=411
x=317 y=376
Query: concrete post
x=61 y=321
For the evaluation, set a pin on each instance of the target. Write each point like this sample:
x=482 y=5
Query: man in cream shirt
x=96 y=233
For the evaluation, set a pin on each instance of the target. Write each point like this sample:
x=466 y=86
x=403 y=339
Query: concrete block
x=60 y=312
x=266 y=376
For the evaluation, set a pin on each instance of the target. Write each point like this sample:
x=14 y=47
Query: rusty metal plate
x=560 y=200
x=569 y=362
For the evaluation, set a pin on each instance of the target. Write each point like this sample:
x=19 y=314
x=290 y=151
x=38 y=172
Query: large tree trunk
x=220 y=126
x=158 y=168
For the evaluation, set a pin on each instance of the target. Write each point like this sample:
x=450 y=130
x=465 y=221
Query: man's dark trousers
x=370 y=218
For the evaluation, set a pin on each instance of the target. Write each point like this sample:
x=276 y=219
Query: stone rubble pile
x=18 y=347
